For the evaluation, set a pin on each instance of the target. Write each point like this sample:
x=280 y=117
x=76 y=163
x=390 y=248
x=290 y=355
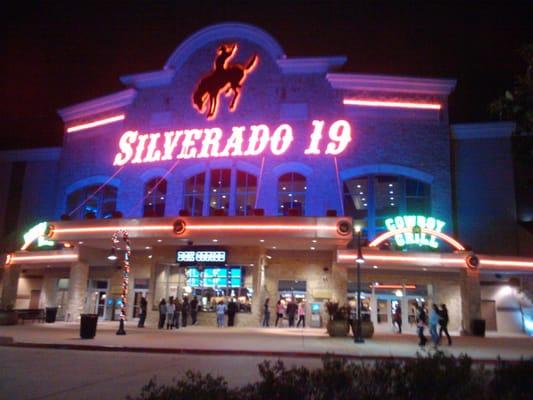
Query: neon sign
x=223 y=79
x=138 y=148
x=415 y=229
x=36 y=232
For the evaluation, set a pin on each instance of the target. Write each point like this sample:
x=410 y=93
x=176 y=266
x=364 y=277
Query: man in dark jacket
x=194 y=310
x=185 y=309
x=143 y=308
x=232 y=310
x=292 y=309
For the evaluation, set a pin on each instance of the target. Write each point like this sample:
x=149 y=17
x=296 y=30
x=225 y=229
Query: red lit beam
x=94 y=124
x=391 y=104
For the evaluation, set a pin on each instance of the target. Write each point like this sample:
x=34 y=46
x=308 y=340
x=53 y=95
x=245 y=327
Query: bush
x=433 y=377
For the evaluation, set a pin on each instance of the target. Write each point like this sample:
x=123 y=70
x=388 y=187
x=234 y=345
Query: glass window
x=246 y=192
x=219 y=190
x=374 y=198
x=155 y=193
x=194 y=194
x=292 y=188
x=87 y=200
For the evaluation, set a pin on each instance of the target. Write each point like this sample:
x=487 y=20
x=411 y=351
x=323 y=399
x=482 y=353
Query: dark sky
x=55 y=53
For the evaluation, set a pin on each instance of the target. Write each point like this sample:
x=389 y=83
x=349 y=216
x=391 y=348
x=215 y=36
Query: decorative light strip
x=15 y=259
x=505 y=263
x=94 y=229
x=94 y=124
x=387 y=235
x=379 y=286
x=349 y=257
x=391 y=104
x=261 y=227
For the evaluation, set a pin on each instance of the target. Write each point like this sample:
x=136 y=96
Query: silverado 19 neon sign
x=211 y=142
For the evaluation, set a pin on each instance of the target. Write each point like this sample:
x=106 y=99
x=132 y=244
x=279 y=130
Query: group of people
x=289 y=308
x=222 y=309
x=174 y=310
x=438 y=317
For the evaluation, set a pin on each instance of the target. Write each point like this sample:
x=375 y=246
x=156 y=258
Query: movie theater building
x=236 y=171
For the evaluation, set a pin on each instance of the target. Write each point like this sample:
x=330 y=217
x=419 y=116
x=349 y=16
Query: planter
x=338 y=328
x=367 y=329
x=88 y=326
x=8 y=317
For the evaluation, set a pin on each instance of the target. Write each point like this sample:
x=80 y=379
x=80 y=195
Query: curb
x=213 y=352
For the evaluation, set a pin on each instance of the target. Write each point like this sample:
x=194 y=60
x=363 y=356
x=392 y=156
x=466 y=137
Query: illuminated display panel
x=214 y=277
x=189 y=257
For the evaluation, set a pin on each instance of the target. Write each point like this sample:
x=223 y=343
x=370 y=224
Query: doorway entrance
x=97 y=295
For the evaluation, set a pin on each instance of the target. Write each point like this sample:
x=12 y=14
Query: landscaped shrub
x=432 y=377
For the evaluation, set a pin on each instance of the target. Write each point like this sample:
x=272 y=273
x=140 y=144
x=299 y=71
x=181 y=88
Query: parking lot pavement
x=288 y=342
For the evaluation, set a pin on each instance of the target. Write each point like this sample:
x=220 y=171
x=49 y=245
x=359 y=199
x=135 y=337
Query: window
x=194 y=194
x=291 y=193
x=374 y=198
x=155 y=192
x=246 y=192
x=101 y=204
x=219 y=190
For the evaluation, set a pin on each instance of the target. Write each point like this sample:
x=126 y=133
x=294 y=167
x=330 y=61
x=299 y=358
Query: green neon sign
x=37 y=233
x=415 y=230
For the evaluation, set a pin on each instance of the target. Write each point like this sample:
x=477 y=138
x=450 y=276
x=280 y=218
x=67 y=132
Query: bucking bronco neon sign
x=224 y=78
x=254 y=140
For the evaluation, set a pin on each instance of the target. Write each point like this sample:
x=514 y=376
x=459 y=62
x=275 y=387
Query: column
x=374 y=307
x=77 y=290
x=10 y=282
x=470 y=298
x=49 y=292
x=405 y=309
x=259 y=286
x=339 y=283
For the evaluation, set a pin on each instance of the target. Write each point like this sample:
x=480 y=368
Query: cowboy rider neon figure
x=224 y=78
x=254 y=140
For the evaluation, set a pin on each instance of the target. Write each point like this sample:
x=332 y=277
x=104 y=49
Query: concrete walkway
x=268 y=342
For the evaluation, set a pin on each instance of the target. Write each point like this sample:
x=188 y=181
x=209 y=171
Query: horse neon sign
x=223 y=79
x=254 y=140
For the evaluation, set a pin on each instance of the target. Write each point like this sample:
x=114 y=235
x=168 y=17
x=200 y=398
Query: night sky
x=54 y=54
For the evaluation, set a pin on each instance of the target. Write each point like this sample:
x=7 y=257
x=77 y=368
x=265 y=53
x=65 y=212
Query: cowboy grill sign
x=253 y=140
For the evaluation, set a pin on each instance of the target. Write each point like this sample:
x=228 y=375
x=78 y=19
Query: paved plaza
x=50 y=361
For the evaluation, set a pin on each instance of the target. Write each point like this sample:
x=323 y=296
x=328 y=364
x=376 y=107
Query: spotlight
x=113 y=255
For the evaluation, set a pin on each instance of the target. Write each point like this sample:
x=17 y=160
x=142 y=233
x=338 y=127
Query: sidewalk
x=268 y=342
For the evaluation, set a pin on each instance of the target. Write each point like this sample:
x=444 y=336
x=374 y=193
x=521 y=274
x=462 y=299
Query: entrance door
x=137 y=295
x=35 y=295
x=488 y=313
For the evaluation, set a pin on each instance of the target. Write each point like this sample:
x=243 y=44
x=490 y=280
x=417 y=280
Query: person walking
x=398 y=318
x=266 y=314
x=280 y=310
x=433 y=321
x=292 y=309
x=301 y=314
x=185 y=309
x=352 y=318
x=421 y=323
x=171 y=308
x=194 y=310
x=143 y=307
x=220 y=311
x=443 y=322
x=162 y=313
x=232 y=310
x=177 y=313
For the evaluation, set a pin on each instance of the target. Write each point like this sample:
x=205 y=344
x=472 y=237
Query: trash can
x=88 y=326
x=478 y=327
x=51 y=313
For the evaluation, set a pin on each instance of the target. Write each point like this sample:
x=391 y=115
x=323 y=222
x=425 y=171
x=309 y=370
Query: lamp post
x=359 y=260
x=125 y=273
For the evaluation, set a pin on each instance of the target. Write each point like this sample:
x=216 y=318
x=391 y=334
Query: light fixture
x=314 y=240
x=375 y=267
x=269 y=257
x=312 y=248
x=274 y=247
x=159 y=240
x=150 y=256
x=215 y=240
x=147 y=247
x=80 y=242
x=262 y=240
x=113 y=255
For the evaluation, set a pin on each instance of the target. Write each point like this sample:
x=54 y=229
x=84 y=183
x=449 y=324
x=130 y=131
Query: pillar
x=470 y=298
x=339 y=283
x=77 y=290
x=259 y=286
x=10 y=282
x=49 y=292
